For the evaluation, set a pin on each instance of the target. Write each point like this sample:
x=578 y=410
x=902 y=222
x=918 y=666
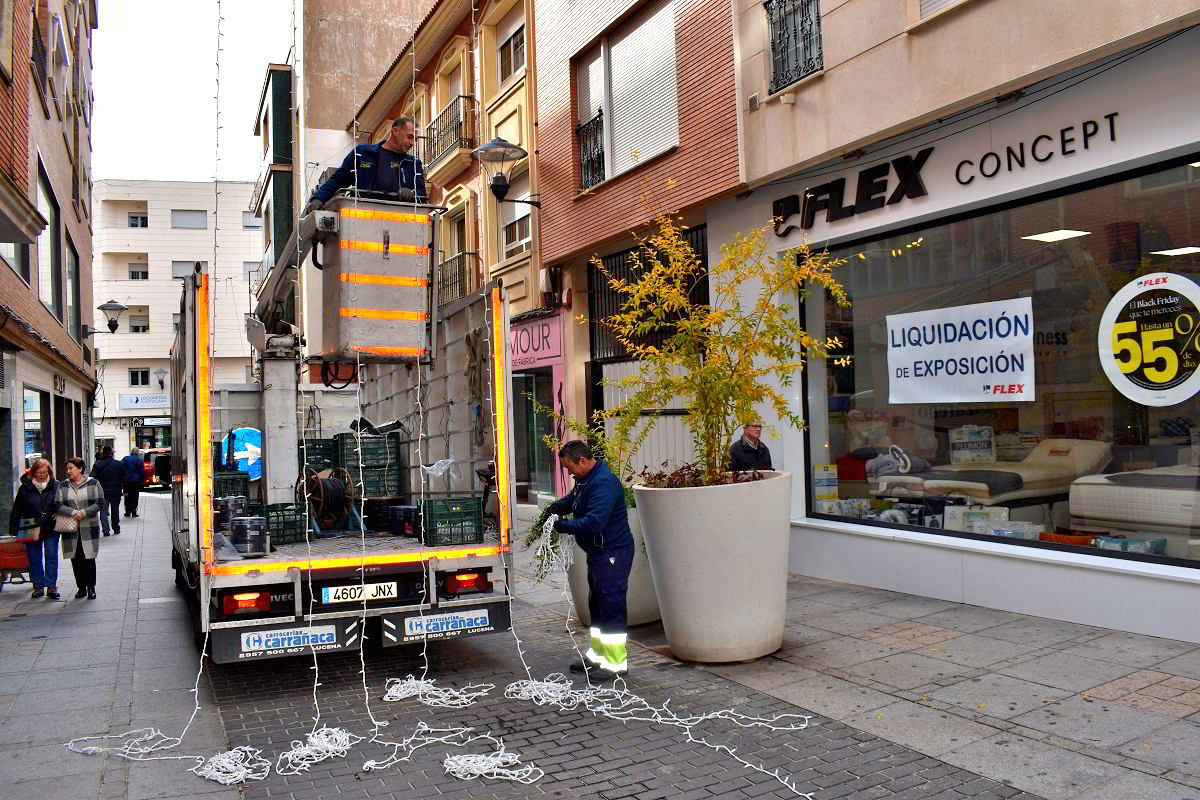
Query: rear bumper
x=229 y=645
x=452 y=622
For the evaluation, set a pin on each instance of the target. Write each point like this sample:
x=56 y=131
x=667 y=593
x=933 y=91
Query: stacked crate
x=318 y=454
x=374 y=463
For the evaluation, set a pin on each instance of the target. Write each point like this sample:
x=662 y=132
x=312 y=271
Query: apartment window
x=139 y=272
x=931 y=7
x=511 y=35
x=186 y=218
x=139 y=323
x=250 y=270
x=250 y=222
x=139 y=377
x=17 y=257
x=795 y=40
x=182 y=269
x=49 y=247
x=139 y=219
x=515 y=217
x=638 y=117
x=74 y=311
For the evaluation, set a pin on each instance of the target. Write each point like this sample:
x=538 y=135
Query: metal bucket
x=249 y=536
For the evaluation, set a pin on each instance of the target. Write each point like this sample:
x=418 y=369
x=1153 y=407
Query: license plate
x=356 y=593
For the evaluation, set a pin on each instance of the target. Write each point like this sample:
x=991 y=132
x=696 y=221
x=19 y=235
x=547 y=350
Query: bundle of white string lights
x=428 y=692
x=617 y=702
x=499 y=763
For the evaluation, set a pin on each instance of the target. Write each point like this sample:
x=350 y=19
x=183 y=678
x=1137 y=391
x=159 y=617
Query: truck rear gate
x=321 y=594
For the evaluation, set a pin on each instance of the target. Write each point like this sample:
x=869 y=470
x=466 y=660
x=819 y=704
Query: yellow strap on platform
x=384 y=280
x=384 y=313
x=377 y=247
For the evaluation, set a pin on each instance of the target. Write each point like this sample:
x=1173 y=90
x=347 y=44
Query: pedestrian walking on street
x=135 y=473
x=32 y=519
x=748 y=452
x=110 y=473
x=601 y=527
x=79 y=498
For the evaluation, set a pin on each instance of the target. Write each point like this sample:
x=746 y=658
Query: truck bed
x=350 y=547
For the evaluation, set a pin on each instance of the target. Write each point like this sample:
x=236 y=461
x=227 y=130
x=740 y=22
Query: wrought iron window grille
x=795 y=27
x=591 y=151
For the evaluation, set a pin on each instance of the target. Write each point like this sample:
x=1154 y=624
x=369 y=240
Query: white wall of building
x=226 y=251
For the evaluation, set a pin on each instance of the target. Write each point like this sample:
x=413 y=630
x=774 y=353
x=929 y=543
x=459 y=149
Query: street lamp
x=112 y=311
x=161 y=374
x=498 y=158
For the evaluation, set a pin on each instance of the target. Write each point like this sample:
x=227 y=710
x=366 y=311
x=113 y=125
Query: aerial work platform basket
x=377 y=261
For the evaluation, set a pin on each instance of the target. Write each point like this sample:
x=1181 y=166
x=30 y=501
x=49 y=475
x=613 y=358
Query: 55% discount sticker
x=1148 y=339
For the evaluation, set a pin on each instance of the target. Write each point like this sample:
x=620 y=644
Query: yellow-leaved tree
x=726 y=359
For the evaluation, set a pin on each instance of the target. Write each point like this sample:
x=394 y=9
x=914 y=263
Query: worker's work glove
x=560 y=524
x=406 y=195
x=313 y=205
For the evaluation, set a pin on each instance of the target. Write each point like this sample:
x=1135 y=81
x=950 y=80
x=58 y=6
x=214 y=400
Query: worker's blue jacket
x=601 y=519
x=412 y=172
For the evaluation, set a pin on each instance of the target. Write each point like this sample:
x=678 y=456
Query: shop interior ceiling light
x=1056 y=236
x=1178 y=251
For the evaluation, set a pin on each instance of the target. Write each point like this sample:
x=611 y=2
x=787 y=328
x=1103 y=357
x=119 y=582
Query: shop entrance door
x=535 y=461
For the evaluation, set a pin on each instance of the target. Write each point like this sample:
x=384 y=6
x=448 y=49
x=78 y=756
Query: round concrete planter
x=719 y=558
x=641 y=601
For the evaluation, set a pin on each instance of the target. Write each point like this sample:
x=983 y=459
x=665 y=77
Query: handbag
x=65 y=524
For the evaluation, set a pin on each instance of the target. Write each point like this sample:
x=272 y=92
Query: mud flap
x=276 y=641
x=411 y=627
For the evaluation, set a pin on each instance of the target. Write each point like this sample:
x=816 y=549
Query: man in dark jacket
x=134 y=472
x=110 y=473
x=749 y=452
x=386 y=167
x=601 y=527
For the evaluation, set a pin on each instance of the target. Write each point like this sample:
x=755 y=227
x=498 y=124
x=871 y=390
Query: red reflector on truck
x=246 y=602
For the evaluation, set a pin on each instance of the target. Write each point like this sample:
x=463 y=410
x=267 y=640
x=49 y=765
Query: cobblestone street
x=912 y=699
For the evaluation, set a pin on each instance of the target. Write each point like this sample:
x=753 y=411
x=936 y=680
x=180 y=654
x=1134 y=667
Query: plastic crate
x=318 y=454
x=375 y=482
x=285 y=523
x=376 y=451
x=452 y=520
x=231 y=484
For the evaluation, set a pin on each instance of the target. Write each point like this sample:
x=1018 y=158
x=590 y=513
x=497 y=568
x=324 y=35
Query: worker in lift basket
x=385 y=167
x=601 y=527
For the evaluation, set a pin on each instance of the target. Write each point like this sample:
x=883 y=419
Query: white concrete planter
x=719 y=557
x=641 y=601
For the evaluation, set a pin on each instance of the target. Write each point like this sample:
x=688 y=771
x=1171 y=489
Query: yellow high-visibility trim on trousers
x=609 y=651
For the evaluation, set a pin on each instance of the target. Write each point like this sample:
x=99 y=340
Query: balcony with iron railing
x=591 y=151
x=38 y=55
x=449 y=139
x=453 y=274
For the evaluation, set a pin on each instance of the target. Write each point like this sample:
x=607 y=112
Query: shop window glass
x=1023 y=374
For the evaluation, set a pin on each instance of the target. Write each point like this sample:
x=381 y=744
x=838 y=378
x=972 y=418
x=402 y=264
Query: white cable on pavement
x=238 y=765
x=431 y=695
x=499 y=764
x=319 y=745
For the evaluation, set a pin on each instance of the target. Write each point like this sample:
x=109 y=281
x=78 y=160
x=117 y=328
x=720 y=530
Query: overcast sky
x=154 y=82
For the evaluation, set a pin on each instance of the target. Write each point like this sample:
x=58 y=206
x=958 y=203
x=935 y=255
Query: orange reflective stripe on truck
x=500 y=381
x=384 y=313
x=389 y=351
x=204 y=471
x=377 y=247
x=384 y=280
x=243 y=567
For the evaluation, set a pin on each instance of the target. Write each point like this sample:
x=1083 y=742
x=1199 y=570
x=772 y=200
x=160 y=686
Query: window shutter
x=518 y=189
x=454 y=84
x=931 y=7
x=589 y=85
x=184 y=218
x=645 y=101
x=514 y=19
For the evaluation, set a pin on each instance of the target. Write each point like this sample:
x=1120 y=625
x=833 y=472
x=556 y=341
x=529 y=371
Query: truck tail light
x=467 y=583
x=246 y=603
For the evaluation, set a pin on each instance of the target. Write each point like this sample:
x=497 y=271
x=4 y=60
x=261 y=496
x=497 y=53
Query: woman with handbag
x=32 y=520
x=77 y=519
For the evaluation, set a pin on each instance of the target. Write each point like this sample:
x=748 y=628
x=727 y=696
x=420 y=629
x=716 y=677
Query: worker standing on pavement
x=601 y=527
x=387 y=167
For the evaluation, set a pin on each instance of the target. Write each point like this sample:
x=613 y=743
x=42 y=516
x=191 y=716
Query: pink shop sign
x=536 y=343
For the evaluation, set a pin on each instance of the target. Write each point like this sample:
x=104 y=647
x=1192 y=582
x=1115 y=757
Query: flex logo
x=1005 y=388
x=871 y=192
